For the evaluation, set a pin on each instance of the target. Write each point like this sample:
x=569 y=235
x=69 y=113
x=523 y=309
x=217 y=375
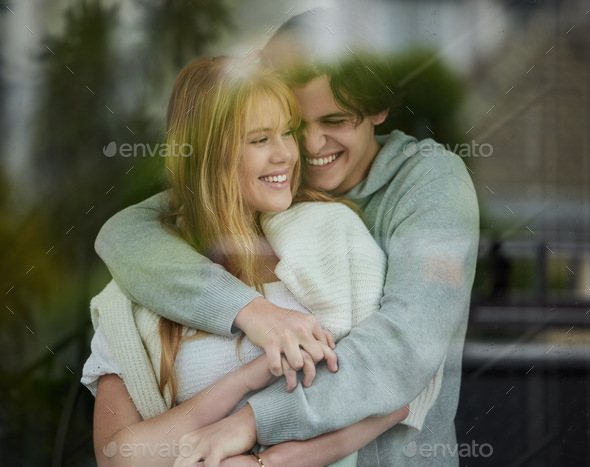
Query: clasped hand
x=292 y=341
x=289 y=338
x=230 y=436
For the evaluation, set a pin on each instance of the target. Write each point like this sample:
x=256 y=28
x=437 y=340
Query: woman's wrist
x=241 y=381
x=255 y=375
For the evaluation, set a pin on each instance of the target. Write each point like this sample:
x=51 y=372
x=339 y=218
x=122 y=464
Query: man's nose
x=313 y=140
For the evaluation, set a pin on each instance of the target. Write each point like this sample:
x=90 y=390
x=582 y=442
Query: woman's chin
x=276 y=208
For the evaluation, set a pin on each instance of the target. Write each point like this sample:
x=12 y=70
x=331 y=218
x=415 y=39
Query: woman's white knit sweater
x=328 y=261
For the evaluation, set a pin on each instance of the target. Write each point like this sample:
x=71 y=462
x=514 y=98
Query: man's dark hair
x=306 y=47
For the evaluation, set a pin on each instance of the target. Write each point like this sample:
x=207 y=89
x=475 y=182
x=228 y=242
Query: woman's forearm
x=122 y=437
x=333 y=446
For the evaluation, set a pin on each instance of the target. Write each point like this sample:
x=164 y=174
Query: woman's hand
x=256 y=374
x=244 y=460
x=227 y=437
x=282 y=332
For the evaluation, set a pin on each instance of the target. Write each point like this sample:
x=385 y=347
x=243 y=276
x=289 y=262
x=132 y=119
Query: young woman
x=156 y=380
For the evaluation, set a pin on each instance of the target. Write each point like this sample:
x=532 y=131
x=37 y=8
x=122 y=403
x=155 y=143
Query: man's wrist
x=244 y=314
x=247 y=315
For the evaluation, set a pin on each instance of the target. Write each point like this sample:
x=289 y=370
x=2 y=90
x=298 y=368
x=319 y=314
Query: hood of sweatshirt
x=404 y=156
x=397 y=148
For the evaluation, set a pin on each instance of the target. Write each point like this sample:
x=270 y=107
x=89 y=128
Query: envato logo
x=444 y=450
x=431 y=148
x=148 y=150
x=164 y=450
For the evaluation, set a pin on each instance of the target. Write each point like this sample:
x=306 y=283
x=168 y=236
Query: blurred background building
x=502 y=83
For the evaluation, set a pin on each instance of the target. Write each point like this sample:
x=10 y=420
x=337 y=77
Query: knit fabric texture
x=328 y=261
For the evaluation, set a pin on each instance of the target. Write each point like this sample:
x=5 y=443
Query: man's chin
x=323 y=184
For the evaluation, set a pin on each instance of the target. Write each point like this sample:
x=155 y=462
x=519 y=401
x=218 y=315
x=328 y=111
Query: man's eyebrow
x=336 y=115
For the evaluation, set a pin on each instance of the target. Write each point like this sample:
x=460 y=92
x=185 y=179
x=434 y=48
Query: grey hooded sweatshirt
x=420 y=206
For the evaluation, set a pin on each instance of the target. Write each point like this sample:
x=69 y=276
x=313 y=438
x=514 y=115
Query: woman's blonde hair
x=210 y=107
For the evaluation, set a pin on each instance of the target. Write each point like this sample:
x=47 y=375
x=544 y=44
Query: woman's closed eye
x=261 y=140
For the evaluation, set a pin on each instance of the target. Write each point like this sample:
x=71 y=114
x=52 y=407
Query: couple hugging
x=299 y=295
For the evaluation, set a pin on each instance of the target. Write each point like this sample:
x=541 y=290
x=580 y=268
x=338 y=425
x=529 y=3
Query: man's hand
x=228 y=437
x=280 y=331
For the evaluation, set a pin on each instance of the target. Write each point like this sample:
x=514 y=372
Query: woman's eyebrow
x=259 y=130
x=262 y=130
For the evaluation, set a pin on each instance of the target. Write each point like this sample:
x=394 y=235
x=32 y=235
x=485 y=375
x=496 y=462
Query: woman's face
x=268 y=158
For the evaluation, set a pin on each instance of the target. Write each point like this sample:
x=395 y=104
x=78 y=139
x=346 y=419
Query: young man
x=422 y=212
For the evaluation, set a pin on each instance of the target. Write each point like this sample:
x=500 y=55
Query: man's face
x=337 y=152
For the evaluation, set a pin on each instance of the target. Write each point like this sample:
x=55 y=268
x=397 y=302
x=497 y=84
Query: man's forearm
x=164 y=273
x=391 y=356
x=333 y=446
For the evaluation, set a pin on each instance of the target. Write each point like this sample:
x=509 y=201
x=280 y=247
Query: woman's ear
x=379 y=118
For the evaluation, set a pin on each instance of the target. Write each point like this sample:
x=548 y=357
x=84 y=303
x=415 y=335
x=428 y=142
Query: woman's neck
x=267 y=260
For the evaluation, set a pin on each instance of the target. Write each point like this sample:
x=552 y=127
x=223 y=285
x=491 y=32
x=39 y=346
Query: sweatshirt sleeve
x=165 y=274
x=430 y=236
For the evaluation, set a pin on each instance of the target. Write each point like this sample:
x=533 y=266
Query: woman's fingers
x=290 y=375
x=224 y=438
x=212 y=461
x=309 y=370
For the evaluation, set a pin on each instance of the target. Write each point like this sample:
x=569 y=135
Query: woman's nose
x=284 y=150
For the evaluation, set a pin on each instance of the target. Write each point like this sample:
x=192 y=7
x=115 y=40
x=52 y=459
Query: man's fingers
x=319 y=333
x=314 y=349
x=273 y=354
x=293 y=355
x=321 y=351
x=294 y=333
x=316 y=345
x=331 y=359
x=330 y=339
